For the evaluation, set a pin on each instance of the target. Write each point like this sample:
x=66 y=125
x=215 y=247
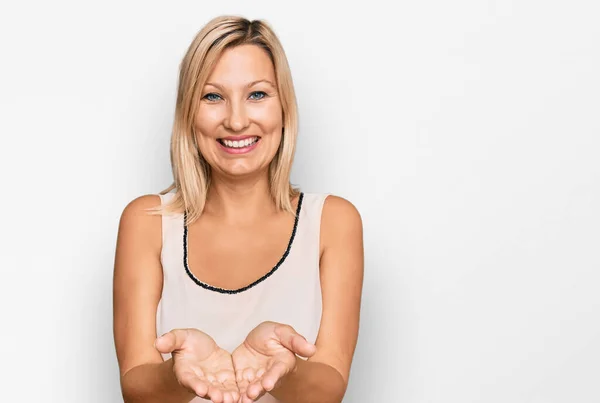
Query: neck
x=237 y=200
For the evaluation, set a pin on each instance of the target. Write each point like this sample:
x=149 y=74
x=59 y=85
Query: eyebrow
x=247 y=86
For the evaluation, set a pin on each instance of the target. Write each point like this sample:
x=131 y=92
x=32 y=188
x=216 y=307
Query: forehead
x=241 y=65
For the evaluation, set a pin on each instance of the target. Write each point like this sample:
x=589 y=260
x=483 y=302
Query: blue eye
x=260 y=93
x=212 y=97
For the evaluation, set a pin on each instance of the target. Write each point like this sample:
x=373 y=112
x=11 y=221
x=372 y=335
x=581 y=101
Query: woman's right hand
x=200 y=365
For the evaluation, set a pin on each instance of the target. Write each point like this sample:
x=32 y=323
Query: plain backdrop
x=467 y=133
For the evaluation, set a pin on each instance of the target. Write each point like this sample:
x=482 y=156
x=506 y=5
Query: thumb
x=171 y=341
x=295 y=342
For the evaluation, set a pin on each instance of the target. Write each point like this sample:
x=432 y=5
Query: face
x=239 y=121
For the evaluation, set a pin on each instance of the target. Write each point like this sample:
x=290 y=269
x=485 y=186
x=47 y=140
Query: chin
x=243 y=171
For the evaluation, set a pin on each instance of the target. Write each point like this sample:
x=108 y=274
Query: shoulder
x=341 y=224
x=137 y=218
x=339 y=213
x=140 y=207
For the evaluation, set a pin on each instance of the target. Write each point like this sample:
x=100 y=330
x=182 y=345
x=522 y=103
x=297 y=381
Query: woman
x=254 y=286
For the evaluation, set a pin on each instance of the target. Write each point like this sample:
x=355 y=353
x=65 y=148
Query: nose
x=237 y=118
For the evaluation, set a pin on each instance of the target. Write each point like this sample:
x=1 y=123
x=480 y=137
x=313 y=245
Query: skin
x=200 y=365
x=267 y=356
x=240 y=98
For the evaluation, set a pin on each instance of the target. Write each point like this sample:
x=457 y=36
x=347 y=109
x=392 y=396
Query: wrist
x=298 y=361
x=173 y=382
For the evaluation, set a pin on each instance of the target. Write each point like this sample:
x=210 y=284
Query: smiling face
x=239 y=122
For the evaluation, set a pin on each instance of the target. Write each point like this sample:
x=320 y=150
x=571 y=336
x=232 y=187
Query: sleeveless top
x=289 y=293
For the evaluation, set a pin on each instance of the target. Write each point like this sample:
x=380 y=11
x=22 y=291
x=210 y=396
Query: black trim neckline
x=260 y=280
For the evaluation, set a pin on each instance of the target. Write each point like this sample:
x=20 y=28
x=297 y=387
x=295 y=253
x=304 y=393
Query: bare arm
x=324 y=377
x=153 y=383
x=137 y=286
x=312 y=382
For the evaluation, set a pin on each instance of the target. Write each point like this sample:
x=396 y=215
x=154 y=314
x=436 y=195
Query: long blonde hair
x=191 y=172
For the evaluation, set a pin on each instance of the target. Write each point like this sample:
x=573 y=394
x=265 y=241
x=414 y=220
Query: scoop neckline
x=254 y=283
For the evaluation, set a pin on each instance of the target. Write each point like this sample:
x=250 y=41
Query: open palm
x=267 y=354
x=200 y=365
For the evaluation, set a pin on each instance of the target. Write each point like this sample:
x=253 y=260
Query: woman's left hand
x=266 y=356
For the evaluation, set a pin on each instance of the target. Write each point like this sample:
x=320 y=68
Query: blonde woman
x=231 y=285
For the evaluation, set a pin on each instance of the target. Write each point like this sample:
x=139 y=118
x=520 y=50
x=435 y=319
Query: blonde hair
x=191 y=172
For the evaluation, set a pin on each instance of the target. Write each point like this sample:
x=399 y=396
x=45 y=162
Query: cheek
x=269 y=116
x=207 y=121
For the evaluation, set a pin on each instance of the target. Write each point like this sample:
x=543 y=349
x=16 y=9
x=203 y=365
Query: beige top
x=290 y=293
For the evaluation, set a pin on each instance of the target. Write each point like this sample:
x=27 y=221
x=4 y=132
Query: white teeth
x=240 y=143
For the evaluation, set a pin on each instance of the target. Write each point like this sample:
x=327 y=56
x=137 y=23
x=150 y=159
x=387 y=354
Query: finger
x=274 y=374
x=192 y=382
x=255 y=390
x=302 y=347
x=225 y=376
x=171 y=341
x=231 y=394
x=242 y=398
x=227 y=398
x=242 y=384
x=239 y=375
x=249 y=374
x=231 y=389
x=215 y=394
x=294 y=342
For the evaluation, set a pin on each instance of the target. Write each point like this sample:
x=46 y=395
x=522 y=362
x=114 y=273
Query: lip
x=237 y=138
x=242 y=150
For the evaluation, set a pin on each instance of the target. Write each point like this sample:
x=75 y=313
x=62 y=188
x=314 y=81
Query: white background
x=466 y=132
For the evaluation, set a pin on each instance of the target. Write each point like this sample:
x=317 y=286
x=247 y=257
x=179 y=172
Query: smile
x=239 y=143
x=240 y=146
